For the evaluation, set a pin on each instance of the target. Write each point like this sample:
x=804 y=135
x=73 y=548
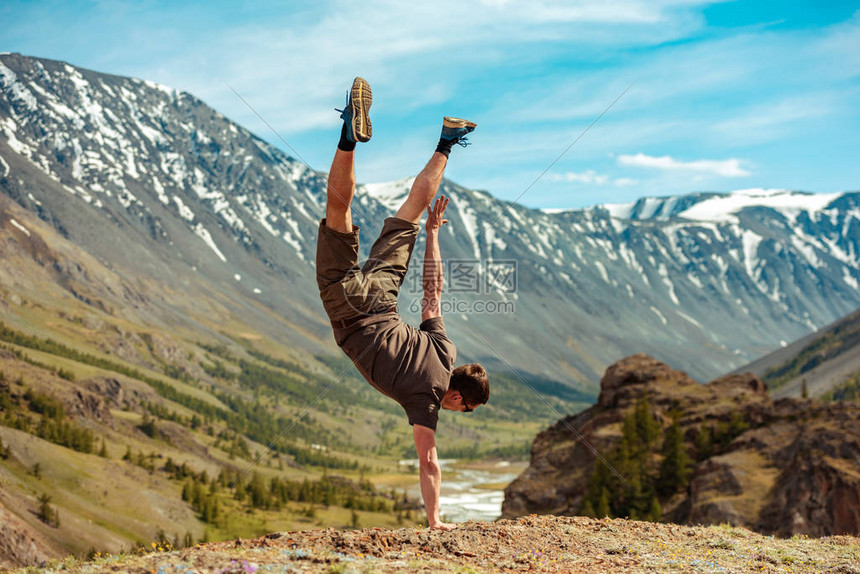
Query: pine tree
x=655 y=512
x=197 y=495
x=676 y=468
x=47 y=513
x=148 y=426
x=239 y=491
x=804 y=392
x=587 y=509
x=259 y=497
x=704 y=446
x=188 y=491
x=103 y=452
x=210 y=512
x=602 y=509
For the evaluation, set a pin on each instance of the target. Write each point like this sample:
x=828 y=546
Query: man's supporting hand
x=430 y=475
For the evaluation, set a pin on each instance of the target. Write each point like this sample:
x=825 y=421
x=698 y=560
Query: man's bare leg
x=341 y=176
x=424 y=189
x=341 y=188
x=427 y=183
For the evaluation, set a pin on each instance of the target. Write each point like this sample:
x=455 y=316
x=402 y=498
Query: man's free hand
x=435 y=215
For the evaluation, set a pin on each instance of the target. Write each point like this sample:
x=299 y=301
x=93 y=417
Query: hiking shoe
x=455 y=130
x=355 y=114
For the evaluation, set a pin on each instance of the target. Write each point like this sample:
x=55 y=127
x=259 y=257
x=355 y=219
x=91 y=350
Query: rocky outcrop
x=20 y=544
x=784 y=467
x=818 y=492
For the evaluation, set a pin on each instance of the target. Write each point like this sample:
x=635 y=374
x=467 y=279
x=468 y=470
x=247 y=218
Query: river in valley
x=470 y=490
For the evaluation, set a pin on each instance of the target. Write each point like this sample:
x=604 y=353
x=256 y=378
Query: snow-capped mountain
x=153 y=182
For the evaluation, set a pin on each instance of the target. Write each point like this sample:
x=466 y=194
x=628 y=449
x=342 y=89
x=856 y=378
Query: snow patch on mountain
x=159 y=191
x=391 y=194
x=751 y=242
x=18 y=91
x=184 y=211
x=849 y=279
x=468 y=216
x=204 y=234
x=689 y=319
x=557 y=210
x=660 y=315
x=789 y=203
x=619 y=210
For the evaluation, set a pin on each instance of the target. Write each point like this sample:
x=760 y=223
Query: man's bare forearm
x=430 y=474
x=433 y=275
x=431 y=487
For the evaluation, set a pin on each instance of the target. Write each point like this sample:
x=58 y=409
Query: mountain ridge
x=208 y=204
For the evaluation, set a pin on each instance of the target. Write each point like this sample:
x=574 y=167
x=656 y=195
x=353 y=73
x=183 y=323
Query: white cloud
x=589 y=11
x=589 y=176
x=725 y=168
x=592 y=177
x=625 y=182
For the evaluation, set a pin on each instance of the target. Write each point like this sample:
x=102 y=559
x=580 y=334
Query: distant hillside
x=827 y=361
x=100 y=454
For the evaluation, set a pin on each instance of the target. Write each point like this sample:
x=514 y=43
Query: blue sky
x=726 y=95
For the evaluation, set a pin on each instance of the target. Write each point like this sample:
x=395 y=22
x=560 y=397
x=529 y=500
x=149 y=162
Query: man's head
x=469 y=388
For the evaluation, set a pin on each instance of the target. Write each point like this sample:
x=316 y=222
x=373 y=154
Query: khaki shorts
x=348 y=290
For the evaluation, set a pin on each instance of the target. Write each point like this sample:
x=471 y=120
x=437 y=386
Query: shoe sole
x=360 y=98
x=450 y=122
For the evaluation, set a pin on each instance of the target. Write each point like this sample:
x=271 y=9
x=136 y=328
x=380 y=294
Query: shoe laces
x=463 y=141
x=343 y=113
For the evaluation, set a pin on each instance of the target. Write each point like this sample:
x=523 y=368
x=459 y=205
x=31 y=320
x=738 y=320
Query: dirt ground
x=529 y=544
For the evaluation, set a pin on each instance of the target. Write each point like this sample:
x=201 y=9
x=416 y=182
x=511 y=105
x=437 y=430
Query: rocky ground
x=532 y=543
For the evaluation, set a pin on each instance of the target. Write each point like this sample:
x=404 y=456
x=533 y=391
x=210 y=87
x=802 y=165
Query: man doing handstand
x=415 y=367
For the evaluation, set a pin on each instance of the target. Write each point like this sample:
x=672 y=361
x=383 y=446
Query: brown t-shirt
x=412 y=366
